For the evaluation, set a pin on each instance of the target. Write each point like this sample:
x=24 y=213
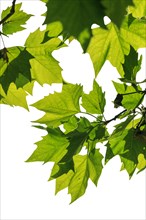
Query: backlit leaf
x=60 y=106
x=95 y=165
x=44 y=67
x=94 y=102
x=16 y=21
x=113 y=44
x=78 y=183
x=51 y=148
x=14 y=96
x=138 y=10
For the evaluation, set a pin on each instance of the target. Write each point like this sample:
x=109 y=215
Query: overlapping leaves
x=72 y=140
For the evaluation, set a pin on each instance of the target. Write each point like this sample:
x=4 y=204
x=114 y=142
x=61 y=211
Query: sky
x=25 y=191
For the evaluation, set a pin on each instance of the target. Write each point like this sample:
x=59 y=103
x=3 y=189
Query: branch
x=12 y=11
x=114 y=118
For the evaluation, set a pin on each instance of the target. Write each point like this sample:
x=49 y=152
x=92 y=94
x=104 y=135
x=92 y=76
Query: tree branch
x=114 y=118
x=12 y=11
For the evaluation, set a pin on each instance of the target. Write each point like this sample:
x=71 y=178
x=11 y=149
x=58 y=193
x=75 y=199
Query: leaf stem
x=114 y=118
x=87 y=113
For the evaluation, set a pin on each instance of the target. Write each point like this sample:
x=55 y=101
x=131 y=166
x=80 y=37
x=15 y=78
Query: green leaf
x=76 y=17
x=14 y=96
x=63 y=181
x=135 y=147
x=139 y=9
x=130 y=97
x=85 y=167
x=94 y=102
x=15 y=22
x=51 y=148
x=17 y=69
x=78 y=183
x=113 y=44
x=116 y=140
x=131 y=62
x=60 y=106
x=61 y=168
x=116 y=10
x=134 y=34
x=95 y=165
x=71 y=124
x=43 y=61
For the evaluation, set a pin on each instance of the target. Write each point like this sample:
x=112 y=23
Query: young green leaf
x=15 y=22
x=138 y=10
x=60 y=106
x=78 y=183
x=113 y=44
x=43 y=61
x=14 y=96
x=95 y=165
x=94 y=102
x=51 y=148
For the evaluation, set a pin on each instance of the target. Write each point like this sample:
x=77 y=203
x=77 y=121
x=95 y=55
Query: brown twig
x=12 y=11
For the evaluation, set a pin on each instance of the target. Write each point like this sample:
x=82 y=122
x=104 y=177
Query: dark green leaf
x=116 y=10
x=131 y=65
x=17 y=69
x=76 y=16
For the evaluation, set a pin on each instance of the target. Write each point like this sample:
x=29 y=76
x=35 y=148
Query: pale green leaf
x=113 y=44
x=78 y=183
x=63 y=181
x=51 y=148
x=94 y=102
x=60 y=106
x=15 y=22
x=95 y=165
x=44 y=68
x=14 y=96
x=139 y=8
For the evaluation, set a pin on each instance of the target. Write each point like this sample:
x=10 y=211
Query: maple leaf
x=119 y=7
x=94 y=102
x=113 y=44
x=16 y=21
x=60 y=106
x=51 y=148
x=14 y=96
x=43 y=61
x=76 y=17
x=17 y=67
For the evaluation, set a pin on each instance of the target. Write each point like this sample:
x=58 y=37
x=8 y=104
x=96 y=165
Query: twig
x=114 y=118
x=12 y=11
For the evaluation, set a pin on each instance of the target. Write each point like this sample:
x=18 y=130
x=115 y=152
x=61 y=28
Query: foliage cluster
x=72 y=140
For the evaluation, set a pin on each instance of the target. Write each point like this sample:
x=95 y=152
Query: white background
x=25 y=191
